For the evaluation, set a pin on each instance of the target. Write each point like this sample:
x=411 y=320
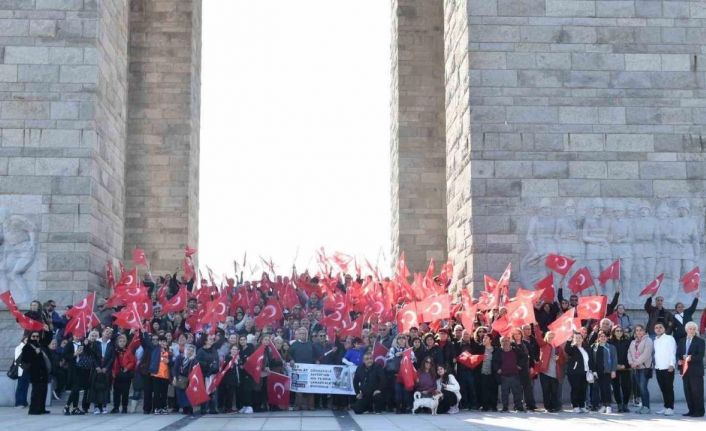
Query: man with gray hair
x=690 y=358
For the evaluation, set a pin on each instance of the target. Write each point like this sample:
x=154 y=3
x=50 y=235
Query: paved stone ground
x=14 y=419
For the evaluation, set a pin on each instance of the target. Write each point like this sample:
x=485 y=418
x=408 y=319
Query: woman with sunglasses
x=622 y=384
x=426 y=378
x=35 y=355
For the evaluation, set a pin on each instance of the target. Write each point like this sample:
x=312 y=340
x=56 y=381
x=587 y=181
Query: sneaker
x=242 y=410
x=577 y=410
x=104 y=411
x=97 y=411
x=77 y=412
x=56 y=397
x=644 y=410
x=601 y=410
x=584 y=410
x=660 y=412
x=248 y=410
x=67 y=411
x=453 y=410
x=668 y=412
x=608 y=410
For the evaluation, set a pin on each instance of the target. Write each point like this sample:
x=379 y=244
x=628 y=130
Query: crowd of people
x=463 y=362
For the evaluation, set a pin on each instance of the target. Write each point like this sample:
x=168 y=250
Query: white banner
x=322 y=379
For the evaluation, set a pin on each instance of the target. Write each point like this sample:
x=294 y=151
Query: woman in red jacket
x=551 y=370
x=123 y=371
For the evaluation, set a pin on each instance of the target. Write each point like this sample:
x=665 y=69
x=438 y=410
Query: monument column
x=162 y=153
x=418 y=153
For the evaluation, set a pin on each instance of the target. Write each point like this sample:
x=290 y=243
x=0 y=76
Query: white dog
x=431 y=403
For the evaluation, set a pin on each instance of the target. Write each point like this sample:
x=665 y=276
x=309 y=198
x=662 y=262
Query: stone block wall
x=63 y=74
x=162 y=152
x=570 y=100
x=418 y=133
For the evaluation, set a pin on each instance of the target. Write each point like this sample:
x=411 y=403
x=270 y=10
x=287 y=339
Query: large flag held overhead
x=581 y=280
x=558 y=263
x=592 y=307
x=691 y=280
x=610 y=273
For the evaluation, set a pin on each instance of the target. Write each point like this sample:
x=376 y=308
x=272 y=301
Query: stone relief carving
x=18 y=249
x=596 y=232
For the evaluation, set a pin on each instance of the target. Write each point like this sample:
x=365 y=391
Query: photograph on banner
x=322 y=379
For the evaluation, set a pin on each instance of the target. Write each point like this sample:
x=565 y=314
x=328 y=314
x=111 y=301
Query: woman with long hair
x=488 y=377
x=426 y=378
x=450 y=389
x=180 y=370
x=23 y=376
x=622 y=384
x=244 y=396
x=81 y=357
x=35 y=355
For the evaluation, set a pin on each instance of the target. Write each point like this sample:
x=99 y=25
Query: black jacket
x=369 y=379
x=678 y=331
x=621 y=347
x=105 y=361
x=39 y=368
x=209 y=360
x=696 y=350
x=574 y=363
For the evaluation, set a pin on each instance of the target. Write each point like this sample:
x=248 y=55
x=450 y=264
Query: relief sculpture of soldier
x=645 y=250
x=18 y=248
x=685 y=245
x=540 y=240
x=569 y=237
x=596 y=231
x=621 y=241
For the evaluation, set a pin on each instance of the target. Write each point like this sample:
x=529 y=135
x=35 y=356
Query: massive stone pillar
x=418 y=144
x=162 y=154
x=570 y=125
x=63 y=71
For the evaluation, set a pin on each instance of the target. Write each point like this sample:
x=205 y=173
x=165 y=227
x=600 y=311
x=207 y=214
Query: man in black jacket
x=690 y=356
x=368 y=382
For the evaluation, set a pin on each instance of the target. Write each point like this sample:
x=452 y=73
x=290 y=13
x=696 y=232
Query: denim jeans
x=22 y=389
x=403 y=396
x=642 y=380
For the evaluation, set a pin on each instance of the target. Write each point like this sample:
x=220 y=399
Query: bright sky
x=294 y=131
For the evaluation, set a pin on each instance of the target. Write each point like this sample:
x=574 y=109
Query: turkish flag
x=188 y=251
x=84 y=306
x=271 y=314
x=139 y=257
x=446 y=273
x=177 y=302
x=468 y=318
x=401 y=267
x=610 y=273
x=218 y=378
x=196 y=390
x=558 y=263
x=342 y=260
x=563 y=327
x=77 y=325
x=430 y=269
x=407 y=374
x=278 y=390
x=502 y=326
x=126 y=296
x=109 y=275
x=504 y=280
x=407 y=317
x=254 y=364
x=128 y=280
x=489 y=300
x=24 y=321
x=216 y=310
x=490 y=283
x=581 y=280
x=188 y=267
x=273 y=353
x=547 y=286
x=520 y=312
x=469 y=360
x=592 y=307
x=653 y=286
x=352 y=328
x=129 y=317
x=333 y=302
x=691 y=280
x=434 y=308
x=532 y=295
x=92 y=320
x=333 y=320
x=379 y=353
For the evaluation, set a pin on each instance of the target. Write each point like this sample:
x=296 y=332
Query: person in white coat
x=665 y=348
x=447 y=384
x=22 y=379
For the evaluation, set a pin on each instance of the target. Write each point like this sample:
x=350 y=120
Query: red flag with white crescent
x=546 y=285
x=490 y=283
x=581 y=280
x=218 y=378
x=407 y=374
x=196 y=389
x=610 y=273
x=278 y=390
x=188 y=251
x=434 y=308
x=177 y=302
x=84 y=306
x=653 y=286
x=379 y=353
x=520 y=312
x=592 y=307
x=255 y=363
x=558 y=263
x=564 y=327
x=691 y=280
x=139 y=257
x=408 y=317
x=270 y=314
x=77 y=325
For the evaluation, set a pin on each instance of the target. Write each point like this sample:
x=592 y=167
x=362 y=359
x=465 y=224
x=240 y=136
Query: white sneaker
x=668 y=412
x=242 y=409
x=248 y=410
x=577 y=410
x=453 y=410
x=97 y=411
x=584 y=410
x=601 y=410
x=660 y=412
x=608 y=410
